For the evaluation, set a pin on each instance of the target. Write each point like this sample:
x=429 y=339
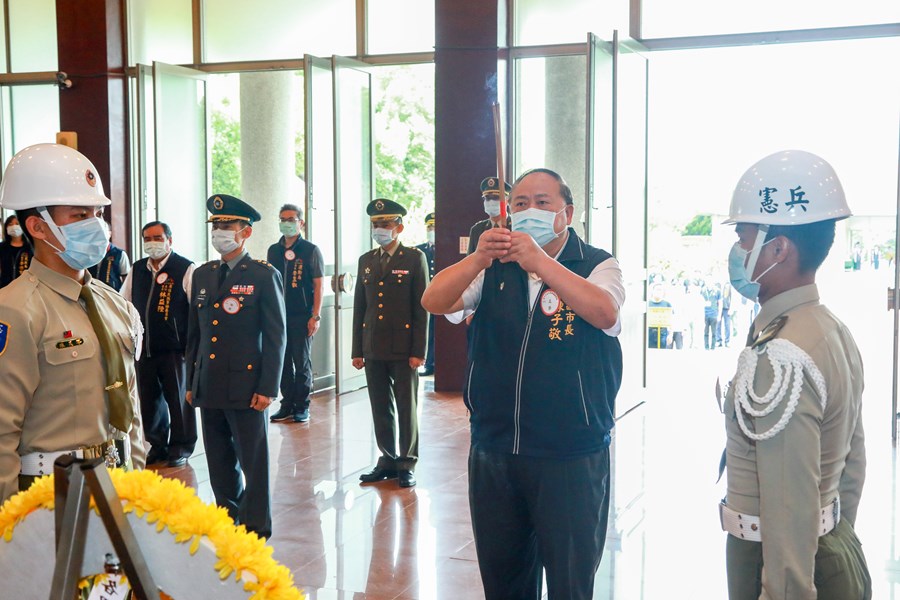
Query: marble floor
x=344 y=540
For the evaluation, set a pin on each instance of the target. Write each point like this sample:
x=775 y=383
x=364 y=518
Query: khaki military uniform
x=817 y=457
x=51 y=364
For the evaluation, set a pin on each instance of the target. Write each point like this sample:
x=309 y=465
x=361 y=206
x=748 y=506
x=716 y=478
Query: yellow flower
x=171 y=505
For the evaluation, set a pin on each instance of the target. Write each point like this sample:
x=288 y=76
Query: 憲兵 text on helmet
x=50 y=175
x=791 y=187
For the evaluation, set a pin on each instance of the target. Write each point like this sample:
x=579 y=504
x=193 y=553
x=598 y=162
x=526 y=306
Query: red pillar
x=91 y=43
x=466 y=47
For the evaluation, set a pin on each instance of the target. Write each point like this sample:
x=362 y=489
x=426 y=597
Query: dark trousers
x=429 y=353
x=841 y=572
x=529 y=513
x=296 y=375
x=236 y=440
x=170 y=424
x=709 y=332
x=393 y=393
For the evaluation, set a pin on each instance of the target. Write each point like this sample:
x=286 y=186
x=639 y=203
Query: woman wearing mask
x=15 y=251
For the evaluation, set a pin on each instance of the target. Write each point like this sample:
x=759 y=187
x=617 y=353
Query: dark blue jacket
x=540 y=381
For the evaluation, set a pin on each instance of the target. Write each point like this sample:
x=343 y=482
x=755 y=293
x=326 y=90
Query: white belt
x=748 y=527
x=38 y=464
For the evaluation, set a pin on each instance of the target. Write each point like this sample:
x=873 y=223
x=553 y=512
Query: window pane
x=241 y=30
x=35 y=115
x=389 y=35
x=32 y=26
x=663 y=18
x=161 y=30
x=567 y=21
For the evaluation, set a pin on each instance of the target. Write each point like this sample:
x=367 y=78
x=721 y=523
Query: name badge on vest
x=162 y=278
x=289 y=255
x=231 y=305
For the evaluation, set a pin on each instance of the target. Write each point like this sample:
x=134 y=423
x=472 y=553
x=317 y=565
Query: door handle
x=345 y=282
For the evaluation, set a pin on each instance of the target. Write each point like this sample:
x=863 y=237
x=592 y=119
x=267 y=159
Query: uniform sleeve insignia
x=770 y=332
x=4 y=336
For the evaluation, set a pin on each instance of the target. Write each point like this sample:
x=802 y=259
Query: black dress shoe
x=378 y=474
x=285 y=413
x=407 y=478
x=177 y=462
x=154 y=457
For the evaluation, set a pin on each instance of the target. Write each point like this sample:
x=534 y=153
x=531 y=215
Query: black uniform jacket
x=389 y=322
x=236 y=334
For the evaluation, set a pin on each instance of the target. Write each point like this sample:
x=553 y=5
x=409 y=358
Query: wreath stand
x=75 y=481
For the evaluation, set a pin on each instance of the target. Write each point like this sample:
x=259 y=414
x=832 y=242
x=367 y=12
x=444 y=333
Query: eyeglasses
x=289 y=220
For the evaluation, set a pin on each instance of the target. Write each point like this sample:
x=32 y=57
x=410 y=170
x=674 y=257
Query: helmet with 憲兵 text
x=791 y=187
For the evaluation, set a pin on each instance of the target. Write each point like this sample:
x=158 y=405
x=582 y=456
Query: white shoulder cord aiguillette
x=788 y=361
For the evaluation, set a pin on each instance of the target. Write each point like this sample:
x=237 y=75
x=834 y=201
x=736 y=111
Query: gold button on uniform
x=215 y=339
x=380 y=294
x=215 y=321
x=216 y=305
x=249 y=367
x=381 y=306
x=380 y=283
x=213 y=356
x=380 y=317
x=407 y=325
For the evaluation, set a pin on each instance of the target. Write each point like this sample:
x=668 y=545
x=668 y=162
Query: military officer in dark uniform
x=389 y=330
x=235 y=351
x=490 y=193
x=428 y=250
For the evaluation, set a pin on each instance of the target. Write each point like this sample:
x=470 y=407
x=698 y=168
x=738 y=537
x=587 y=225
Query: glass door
x=354 y=185
x=320 y=213
x=180 y=157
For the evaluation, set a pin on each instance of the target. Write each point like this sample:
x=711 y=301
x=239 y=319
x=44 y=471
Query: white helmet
x=791 y=187
x=50 y=175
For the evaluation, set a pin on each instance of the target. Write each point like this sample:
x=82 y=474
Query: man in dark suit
x=428 y=250
x=235 y=351
x=490 y=194
x=389 y=329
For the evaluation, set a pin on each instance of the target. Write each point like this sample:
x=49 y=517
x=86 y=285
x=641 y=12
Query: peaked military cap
x=382 y=208
x=223 y=207
x=429 y=219
x=491 y=186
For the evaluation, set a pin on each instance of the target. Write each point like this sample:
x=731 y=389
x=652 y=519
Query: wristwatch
x=316 y=317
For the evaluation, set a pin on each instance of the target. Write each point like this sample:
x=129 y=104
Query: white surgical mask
x=429 y=235
x=225 y=241
x=539 y=224
x=156 y=250
x=383 y=237
x=14 y=231
x=492 y=207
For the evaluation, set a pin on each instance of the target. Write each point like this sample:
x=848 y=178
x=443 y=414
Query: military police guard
x=795 y=453
x=67 y=341
x=389 y=328
x=236 y=340
x=490 y=195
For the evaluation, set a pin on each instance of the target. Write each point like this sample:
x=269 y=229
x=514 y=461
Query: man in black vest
x=235 y=352
x=389 y=329
x=428 y=250
x=544 y=369
x=300 y=264
x=158 y=286
x=114 y=267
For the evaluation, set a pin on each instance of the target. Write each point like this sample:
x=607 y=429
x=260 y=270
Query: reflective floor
x=346 y=540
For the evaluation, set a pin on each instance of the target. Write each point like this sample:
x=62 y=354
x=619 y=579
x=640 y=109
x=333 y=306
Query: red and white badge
x=289 y=255
x=231 y=305
x=549 y=302
x=162 y=278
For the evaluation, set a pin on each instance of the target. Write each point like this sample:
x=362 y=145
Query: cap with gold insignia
x=429 y=220
x=382 y=208
x=223 y=207
x=490 y=186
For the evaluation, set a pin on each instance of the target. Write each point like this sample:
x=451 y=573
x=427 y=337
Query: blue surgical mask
x=84 y=242
x=383 y=237
x=537 y=223
x=738 y=273
x=289 y=228
x=492 y=207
